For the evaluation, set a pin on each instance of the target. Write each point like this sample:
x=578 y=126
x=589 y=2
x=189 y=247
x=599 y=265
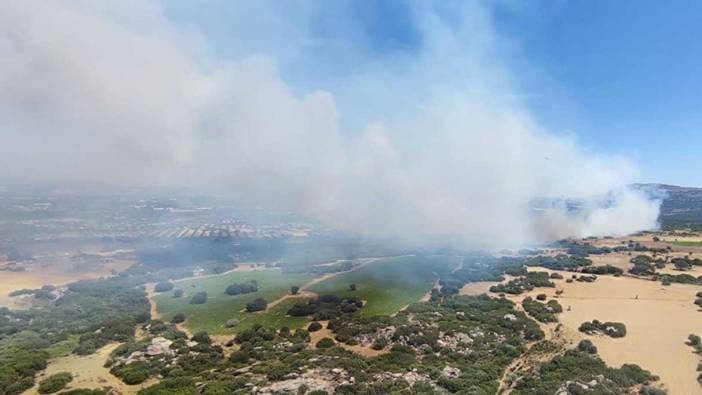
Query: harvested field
x=658 y=320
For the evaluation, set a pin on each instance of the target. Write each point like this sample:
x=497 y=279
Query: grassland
x=389 y=284
x=221 y=307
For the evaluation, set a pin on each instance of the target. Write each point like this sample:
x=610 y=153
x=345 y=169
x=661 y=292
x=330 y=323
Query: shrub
x=611 y=329
x=199 y=298
x=163 y=287
x=379 y=344
x=606 y=269
x=542 y=312
x=587 y=346
x=325 y=343
x=174 y=386
x=258 y=304
x=202 y=337
x=314 y=327
x=294 y=290
x=178 y=318
x=83 y=391
x=55 y=383
x=133 y=377
x=177 y=293
x=242 y=288
x=239 y=357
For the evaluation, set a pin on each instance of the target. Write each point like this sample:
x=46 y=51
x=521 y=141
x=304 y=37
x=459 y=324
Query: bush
x=587 y=346
x=379 y=344
x=163 y=287
x=199 y=298
x=175 y=386
x=258 y=304
x=542 y=312
x=55 y=383
x=242 y=288
x=541 y=297
x=314 y=327
x=133 y=377
x=325 y=343
x=83 y=391
x=294 y=290
x=611 y=329
x=202 y=337
x=239 y=357
x=178 y=318
x=177 y=293
x=606 y=269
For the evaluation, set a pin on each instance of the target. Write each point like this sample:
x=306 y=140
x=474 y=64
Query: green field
x=221 y=307
x=389 y=284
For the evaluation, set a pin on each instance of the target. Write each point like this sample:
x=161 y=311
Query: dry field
x=476 y=288
x=658 y=320
x=38 y=274
x=89 y=372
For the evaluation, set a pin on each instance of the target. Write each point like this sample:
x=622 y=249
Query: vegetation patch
x=523 y=284
x=600 y=270
x=611 y=329
x=542 y=312
x=242 y=288
x=580 y=372
x=55 y=383
x=326 y=307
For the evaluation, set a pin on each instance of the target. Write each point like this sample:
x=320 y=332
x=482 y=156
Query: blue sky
x=623 y=76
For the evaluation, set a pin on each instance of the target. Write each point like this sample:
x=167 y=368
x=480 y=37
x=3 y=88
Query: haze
x=435 y=143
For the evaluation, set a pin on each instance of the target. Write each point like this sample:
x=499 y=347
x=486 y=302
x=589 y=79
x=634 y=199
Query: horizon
x=421 y=120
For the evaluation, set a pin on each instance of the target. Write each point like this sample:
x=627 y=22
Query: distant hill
x=681 y=208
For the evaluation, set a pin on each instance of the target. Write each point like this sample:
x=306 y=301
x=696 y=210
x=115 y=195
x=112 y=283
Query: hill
x=681 y=208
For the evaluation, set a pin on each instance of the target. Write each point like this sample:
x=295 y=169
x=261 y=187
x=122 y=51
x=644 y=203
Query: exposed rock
x=413 y=377
x=232 y=323
x=315 y=380
x=451 y=372
x=158 y=346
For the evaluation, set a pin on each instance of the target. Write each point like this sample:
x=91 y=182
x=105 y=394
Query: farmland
x=390 y=284
x=220 y=307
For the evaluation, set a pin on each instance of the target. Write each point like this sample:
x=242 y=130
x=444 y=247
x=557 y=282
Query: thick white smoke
x=434 y=145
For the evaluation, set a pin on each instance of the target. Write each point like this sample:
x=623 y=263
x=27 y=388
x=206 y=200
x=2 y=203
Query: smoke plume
x=430 y=144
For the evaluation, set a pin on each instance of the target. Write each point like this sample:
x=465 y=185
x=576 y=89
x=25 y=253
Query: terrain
x=293 y=310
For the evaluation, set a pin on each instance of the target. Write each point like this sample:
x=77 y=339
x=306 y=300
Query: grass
x=276 y=317
x=389 y=284
x=220 y=307
x=64 y=348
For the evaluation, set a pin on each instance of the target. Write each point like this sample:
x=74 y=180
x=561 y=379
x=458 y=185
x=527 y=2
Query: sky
x=422 y=120
x=621 y=76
